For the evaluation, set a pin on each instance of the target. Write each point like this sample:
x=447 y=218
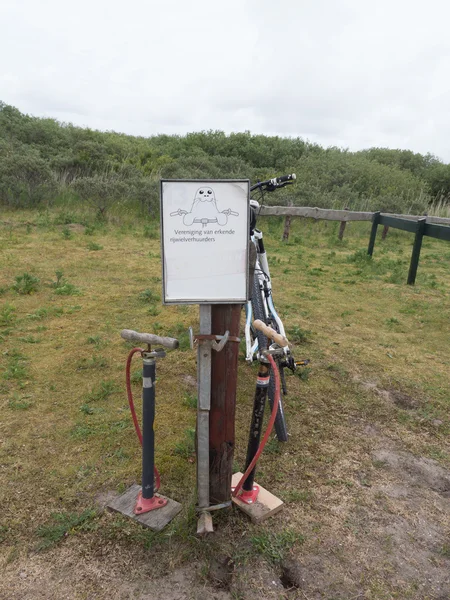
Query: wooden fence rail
x=420 y=228
x=424 y=225
x=328 y=214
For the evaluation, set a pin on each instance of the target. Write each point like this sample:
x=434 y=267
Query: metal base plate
x=155 y=519
x=265 y=506
x=249 y=497
x=144 y=505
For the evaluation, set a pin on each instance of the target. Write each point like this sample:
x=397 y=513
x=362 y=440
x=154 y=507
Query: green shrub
x=297 y=335
x=17 y=403
x=7 y=315
x=186 y=447
x=275 y=545
x=26 y=178
x=62 y=287
x=103 y=391
x=59 y=279
x=62 y=524
x=44 y=312
x=151 y=231
x=16 y=367
x=93 y=247
x=42 y=160
x=360 y=257
x=101 y=190
x=96 y=340
x=67 y=289
x=149 y=296
x=26 y=284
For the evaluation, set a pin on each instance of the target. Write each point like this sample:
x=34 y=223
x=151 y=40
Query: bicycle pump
x=145 y=498
x=252 y=498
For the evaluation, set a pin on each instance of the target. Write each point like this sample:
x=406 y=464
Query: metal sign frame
x=206 y=182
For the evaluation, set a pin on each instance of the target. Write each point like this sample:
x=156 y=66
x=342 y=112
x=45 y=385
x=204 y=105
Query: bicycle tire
x=258 y=313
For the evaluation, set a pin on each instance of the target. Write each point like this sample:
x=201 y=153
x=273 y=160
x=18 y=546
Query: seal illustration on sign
x=204 y=209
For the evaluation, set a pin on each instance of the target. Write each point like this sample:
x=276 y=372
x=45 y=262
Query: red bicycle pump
x=138 y=502
x=252 y=498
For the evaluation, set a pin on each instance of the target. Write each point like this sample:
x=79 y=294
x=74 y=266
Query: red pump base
x=144 y=505
x=250 y=496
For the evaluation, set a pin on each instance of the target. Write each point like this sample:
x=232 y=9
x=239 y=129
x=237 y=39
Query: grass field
x=364 y=476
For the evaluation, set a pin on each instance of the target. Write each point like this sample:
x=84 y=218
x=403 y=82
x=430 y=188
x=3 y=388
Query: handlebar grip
x=149 y=338
x=271 y=333
x=284 y=178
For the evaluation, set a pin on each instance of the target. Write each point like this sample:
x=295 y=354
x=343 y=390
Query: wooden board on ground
x=266 y=505
x=155 y=519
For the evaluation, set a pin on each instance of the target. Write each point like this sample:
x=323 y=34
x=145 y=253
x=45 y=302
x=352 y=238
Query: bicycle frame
x=265 y=286
x=262 y=273
x=261 y=303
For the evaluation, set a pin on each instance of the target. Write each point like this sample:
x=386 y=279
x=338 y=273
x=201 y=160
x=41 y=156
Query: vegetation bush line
x=42 y=160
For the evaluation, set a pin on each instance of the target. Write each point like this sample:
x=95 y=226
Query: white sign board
x=205 y=235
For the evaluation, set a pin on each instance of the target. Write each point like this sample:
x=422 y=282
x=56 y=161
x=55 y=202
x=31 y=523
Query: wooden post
x=385 y=232
x=287 y=224
x=416 y=250
x=373 y=234
x=223 y=402
x=342 y=227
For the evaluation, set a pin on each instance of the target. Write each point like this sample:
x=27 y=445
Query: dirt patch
x=416 y=470
x=258 y=580
x=104 y=498
x=71 y=576
x=397 y=397
x=37 y=580
x=291 y=574
x=403 y=400
x=379 y=529
x=384 y=526
x=189 y=381
x=221 y=571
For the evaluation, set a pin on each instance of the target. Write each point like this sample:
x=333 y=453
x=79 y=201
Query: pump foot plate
x=144 y=505
x=155 y=519
x=265 y=506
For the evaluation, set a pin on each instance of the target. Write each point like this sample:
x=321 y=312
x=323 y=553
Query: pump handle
x=271 y=333
x=149 y=338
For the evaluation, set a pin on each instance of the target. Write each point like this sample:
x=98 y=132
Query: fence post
x=373 y=234
x=342 y=227
x=287 y=224
x=416 y=250
x=223 y=402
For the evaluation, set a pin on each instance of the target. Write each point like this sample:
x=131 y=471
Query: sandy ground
x=393 y=542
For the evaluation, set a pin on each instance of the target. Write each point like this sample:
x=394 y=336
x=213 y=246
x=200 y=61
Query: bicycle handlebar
x=271 y=333
x=149 y=338
x=283 y=178
x=276 y=182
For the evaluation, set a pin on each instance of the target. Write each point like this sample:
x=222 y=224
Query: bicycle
x=261 y=305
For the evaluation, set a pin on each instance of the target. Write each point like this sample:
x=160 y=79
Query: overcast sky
x=351 y=73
